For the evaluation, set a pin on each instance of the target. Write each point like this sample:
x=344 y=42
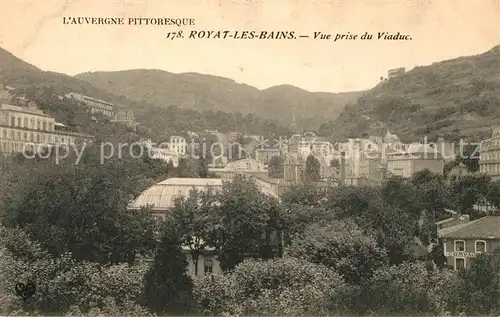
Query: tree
x=303 y=194
x=194 y=218
x=479 y=290
x=203 y=168
x=82 y=209
x=465 y=191
x=167 y=287
x=430 y=190
x=277 y=287
x=493 y=194
x=437 y=256
x=64 y=285
x=408 y=289
x=313 y=169
x=248 y=222
x=276 y=168
x=470 y=158
x=395 y=231
x=341 y=246
x=394 y=228
x=335 y=163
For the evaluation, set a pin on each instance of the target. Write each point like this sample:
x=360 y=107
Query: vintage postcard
x=250 y=158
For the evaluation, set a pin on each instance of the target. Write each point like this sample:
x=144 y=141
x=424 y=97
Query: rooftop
x=162 y=195
x=37 y=112
x=486 y=228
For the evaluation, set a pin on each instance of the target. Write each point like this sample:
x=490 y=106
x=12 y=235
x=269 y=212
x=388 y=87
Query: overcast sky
x=440 y=29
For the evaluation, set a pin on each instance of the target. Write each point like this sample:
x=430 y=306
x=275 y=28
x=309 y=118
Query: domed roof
x=162 y=195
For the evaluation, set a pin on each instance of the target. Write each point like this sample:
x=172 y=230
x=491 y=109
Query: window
x=459 y=264
x=44 y=126
x=39 y=125
x=12 y=121
x=459 y=245
x=32 y=124
x=208 y=264
x=19 y=122
x=26 y=122
x=480 y=246
x=398 y=172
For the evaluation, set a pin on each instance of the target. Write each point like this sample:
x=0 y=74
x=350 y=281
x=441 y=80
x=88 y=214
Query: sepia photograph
x=249 y=158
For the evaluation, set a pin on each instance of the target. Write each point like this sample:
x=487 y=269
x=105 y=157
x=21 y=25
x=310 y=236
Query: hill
x=458 y=98
x=205 y=92
x=43 y=86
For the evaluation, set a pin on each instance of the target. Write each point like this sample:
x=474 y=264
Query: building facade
x=178 y=145
x=265 y=155
x=248 y=166
x=126 y=117
x=465 y=240
x=415 y=158
x=29 y=129
x=489 y=155
x=94 y=105
x=160 y=199
x=161 y=153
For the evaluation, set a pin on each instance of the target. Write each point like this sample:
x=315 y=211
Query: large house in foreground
x=160 y=199
x=463 y=239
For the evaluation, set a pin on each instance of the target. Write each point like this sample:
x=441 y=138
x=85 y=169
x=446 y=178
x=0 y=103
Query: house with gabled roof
x=462 y=242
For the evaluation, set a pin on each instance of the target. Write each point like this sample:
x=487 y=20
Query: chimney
x=342 y=168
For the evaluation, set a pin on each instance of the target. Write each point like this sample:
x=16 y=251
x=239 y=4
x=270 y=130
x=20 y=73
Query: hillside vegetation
x=158 y=122
x=458 y=98
x=206 y=92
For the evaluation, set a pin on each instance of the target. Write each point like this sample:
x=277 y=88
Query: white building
x=28 y=128
x=178 y=145
x=95 y=105
x=161 y=153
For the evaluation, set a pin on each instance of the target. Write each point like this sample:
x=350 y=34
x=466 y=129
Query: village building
x=28 y=129
x=463 y=240
x=160 y=199
x=94 y=105
x=248 y=166
x=489 y=155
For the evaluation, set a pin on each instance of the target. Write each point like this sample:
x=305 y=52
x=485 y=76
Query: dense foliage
x=317 y=251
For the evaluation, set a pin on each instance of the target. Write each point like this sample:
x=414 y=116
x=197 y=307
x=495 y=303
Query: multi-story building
x=414 y=158
x=489 y=155
x=28 y=128
x=161 y=153
x=363 y=160
x=248 y=166
x=265 y=155
x=126 y=117
x=178 y=145
x=294 y=167
x=94 y=105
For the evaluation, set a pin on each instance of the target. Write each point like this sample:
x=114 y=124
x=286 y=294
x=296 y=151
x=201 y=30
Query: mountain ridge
x=457 y=99
x=283 y=103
